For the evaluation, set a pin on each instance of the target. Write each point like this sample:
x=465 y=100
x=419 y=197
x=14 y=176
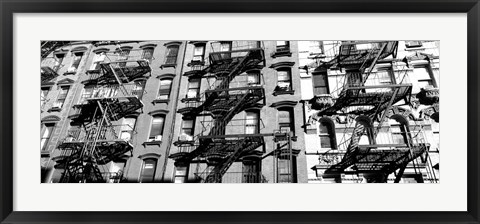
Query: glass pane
x=325 y=141
x=283 y=75
x=157 y=126
x=165 y=83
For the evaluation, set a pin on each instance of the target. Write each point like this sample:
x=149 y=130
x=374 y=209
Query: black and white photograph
x=240 y=111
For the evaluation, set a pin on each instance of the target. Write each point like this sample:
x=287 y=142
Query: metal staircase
x=217 y=147
x=99 y=141
x=373 y=102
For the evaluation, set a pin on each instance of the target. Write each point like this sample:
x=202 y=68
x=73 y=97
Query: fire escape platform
x=349 y=55
x=126 y=73
x=370 y=159
x=47 y=74
x=356 y=96
x=119 y=107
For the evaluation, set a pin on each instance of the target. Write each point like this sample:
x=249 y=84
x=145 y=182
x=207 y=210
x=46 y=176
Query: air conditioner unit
x=186 y=138
x=157 y=138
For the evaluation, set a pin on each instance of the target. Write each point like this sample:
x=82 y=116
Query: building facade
x=225 y=112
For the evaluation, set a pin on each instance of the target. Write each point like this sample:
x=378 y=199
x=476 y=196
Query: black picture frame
x=9 y=7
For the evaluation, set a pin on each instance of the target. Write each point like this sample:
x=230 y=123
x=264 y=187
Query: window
x=399 y=133
x=251 y=171
x=148 y=170
x=123 y=56
x=188 y=129
x=138 y=88
x=320 y=83
x=164 y=91
x=253 y=77
x=354 y=78
x=422 y=74
x=61 y=97
x=283 y=46
x=156 y=130
x=286 y=169
x=226 y=46
x=127 y=129
x=76 y=62
x=181 y=174
x=316 y=47
x=58 y=61
x=284 y=82
x=285 y=120
x=86 y=94
x=327 y=135
x=97 y=60
x=46 y=134
x=43 y=95
x=172 y=52
x=252 y=119
x=198 y=53
x=147 y=54
x=193 y=88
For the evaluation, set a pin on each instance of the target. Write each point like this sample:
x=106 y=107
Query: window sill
x=197 y=99
x=152 y=143
x=168 y=66
x=45 y=154
x=69 y=73
x=54 y=109
x=157 y=101
x=281 y=54
x=283 y=92
x=184 y=143
x=196 y=63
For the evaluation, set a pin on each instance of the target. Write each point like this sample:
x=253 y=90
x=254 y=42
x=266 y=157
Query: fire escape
x=216 y=145
x=101 y=139
x=373 y=101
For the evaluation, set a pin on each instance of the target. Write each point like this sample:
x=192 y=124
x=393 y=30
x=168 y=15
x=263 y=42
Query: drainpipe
x=175 y=104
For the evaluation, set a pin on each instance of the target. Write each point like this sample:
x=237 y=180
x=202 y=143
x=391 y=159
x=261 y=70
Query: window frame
x=142 y=176
x=164 y=91
x=330 y=134
x=152 y=138
x=288 y=81
x=45 y=126
x=61 y=97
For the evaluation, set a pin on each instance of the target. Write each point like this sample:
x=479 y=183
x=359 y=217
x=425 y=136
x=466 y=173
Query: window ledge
x=283 y=92
x=152 y=143
x=196 y=63
x=281 y=54
x=69 y=73
x=156 y=101
x=168 y=66
x=197 y=99
x=184 y=143
x=55 y=109
x=45 y=154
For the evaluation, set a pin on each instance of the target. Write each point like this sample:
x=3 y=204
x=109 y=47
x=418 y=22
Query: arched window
x=398 y=129
x=148 y=170
x=284 y=79
x=156 y=130
x=364 y=128
x=164 y=90
x=327 y=135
